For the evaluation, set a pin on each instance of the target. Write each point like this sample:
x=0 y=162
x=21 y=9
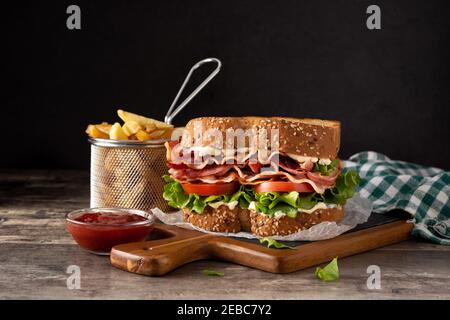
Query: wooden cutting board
x=170 y=247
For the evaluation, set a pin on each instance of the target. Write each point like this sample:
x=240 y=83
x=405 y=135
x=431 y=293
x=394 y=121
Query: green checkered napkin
x=422 y=191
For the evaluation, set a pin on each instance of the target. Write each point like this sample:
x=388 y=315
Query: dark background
x=389 y=87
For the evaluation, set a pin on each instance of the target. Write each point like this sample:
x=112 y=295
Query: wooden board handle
x=157 y=257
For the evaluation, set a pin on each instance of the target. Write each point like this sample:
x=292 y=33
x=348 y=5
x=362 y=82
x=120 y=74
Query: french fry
x=104 y=127
x=117 y=133
x=160 y=134
x=133 y=137
x=157 y=134
x=142 y=135
x=93 y=131
x=150 y=127
x=136 y=127
x=142 y=121
x=130 y=128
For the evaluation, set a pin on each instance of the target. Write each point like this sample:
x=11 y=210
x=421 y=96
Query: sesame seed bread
x=265 y=226
x=224 y=219
x=301 y=137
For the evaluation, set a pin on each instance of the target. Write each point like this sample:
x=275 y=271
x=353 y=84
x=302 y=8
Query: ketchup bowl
x=97 y=230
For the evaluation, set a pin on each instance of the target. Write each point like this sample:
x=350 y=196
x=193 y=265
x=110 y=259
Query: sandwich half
x=223 y=186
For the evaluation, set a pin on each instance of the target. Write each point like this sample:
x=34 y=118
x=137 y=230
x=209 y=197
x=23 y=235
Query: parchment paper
x=357 y=211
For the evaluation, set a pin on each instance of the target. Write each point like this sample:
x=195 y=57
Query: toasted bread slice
x=264 y=226
x=224 y=219
x=299 y=137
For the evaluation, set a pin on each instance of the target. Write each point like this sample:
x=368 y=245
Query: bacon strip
x=174 y=154
x=187 y=173
x=325 y=180
x=318 y=182
x=250 y=173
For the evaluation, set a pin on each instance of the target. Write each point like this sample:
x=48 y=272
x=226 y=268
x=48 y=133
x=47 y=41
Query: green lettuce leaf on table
x=329 y=273
x=213 y=273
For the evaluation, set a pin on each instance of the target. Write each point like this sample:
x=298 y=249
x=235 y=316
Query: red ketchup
x=98 y=230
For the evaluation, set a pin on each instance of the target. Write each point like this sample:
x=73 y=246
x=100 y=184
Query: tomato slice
x=283 y=186
x=210 y=189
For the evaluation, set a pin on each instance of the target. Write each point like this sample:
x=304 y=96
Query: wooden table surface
x=36 y=250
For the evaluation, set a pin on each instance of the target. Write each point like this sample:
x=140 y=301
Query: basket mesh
x=128 y=177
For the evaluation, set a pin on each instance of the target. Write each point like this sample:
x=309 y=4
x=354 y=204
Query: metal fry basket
x=128 y=173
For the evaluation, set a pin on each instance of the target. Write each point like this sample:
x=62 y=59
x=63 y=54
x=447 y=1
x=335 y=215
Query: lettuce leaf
x=288 y=210
x=213 y=273
x=174 y=194
x=274 y=243
x=344 y=189
x=330 y=272
x=325 y=169
x=307 y=201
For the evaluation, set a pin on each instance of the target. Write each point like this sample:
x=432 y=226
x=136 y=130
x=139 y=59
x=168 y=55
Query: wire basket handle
x=170 y=115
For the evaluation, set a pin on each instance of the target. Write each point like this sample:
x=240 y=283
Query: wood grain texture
x=35 y=251
x=179 y=246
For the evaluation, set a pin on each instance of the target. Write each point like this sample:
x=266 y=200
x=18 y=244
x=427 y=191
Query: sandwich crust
x=301 y=137
x=224 y=219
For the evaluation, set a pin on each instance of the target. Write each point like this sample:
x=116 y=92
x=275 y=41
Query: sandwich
x=267 y=176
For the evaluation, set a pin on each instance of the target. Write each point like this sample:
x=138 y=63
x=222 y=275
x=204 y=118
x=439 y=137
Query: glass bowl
x=97 y=230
